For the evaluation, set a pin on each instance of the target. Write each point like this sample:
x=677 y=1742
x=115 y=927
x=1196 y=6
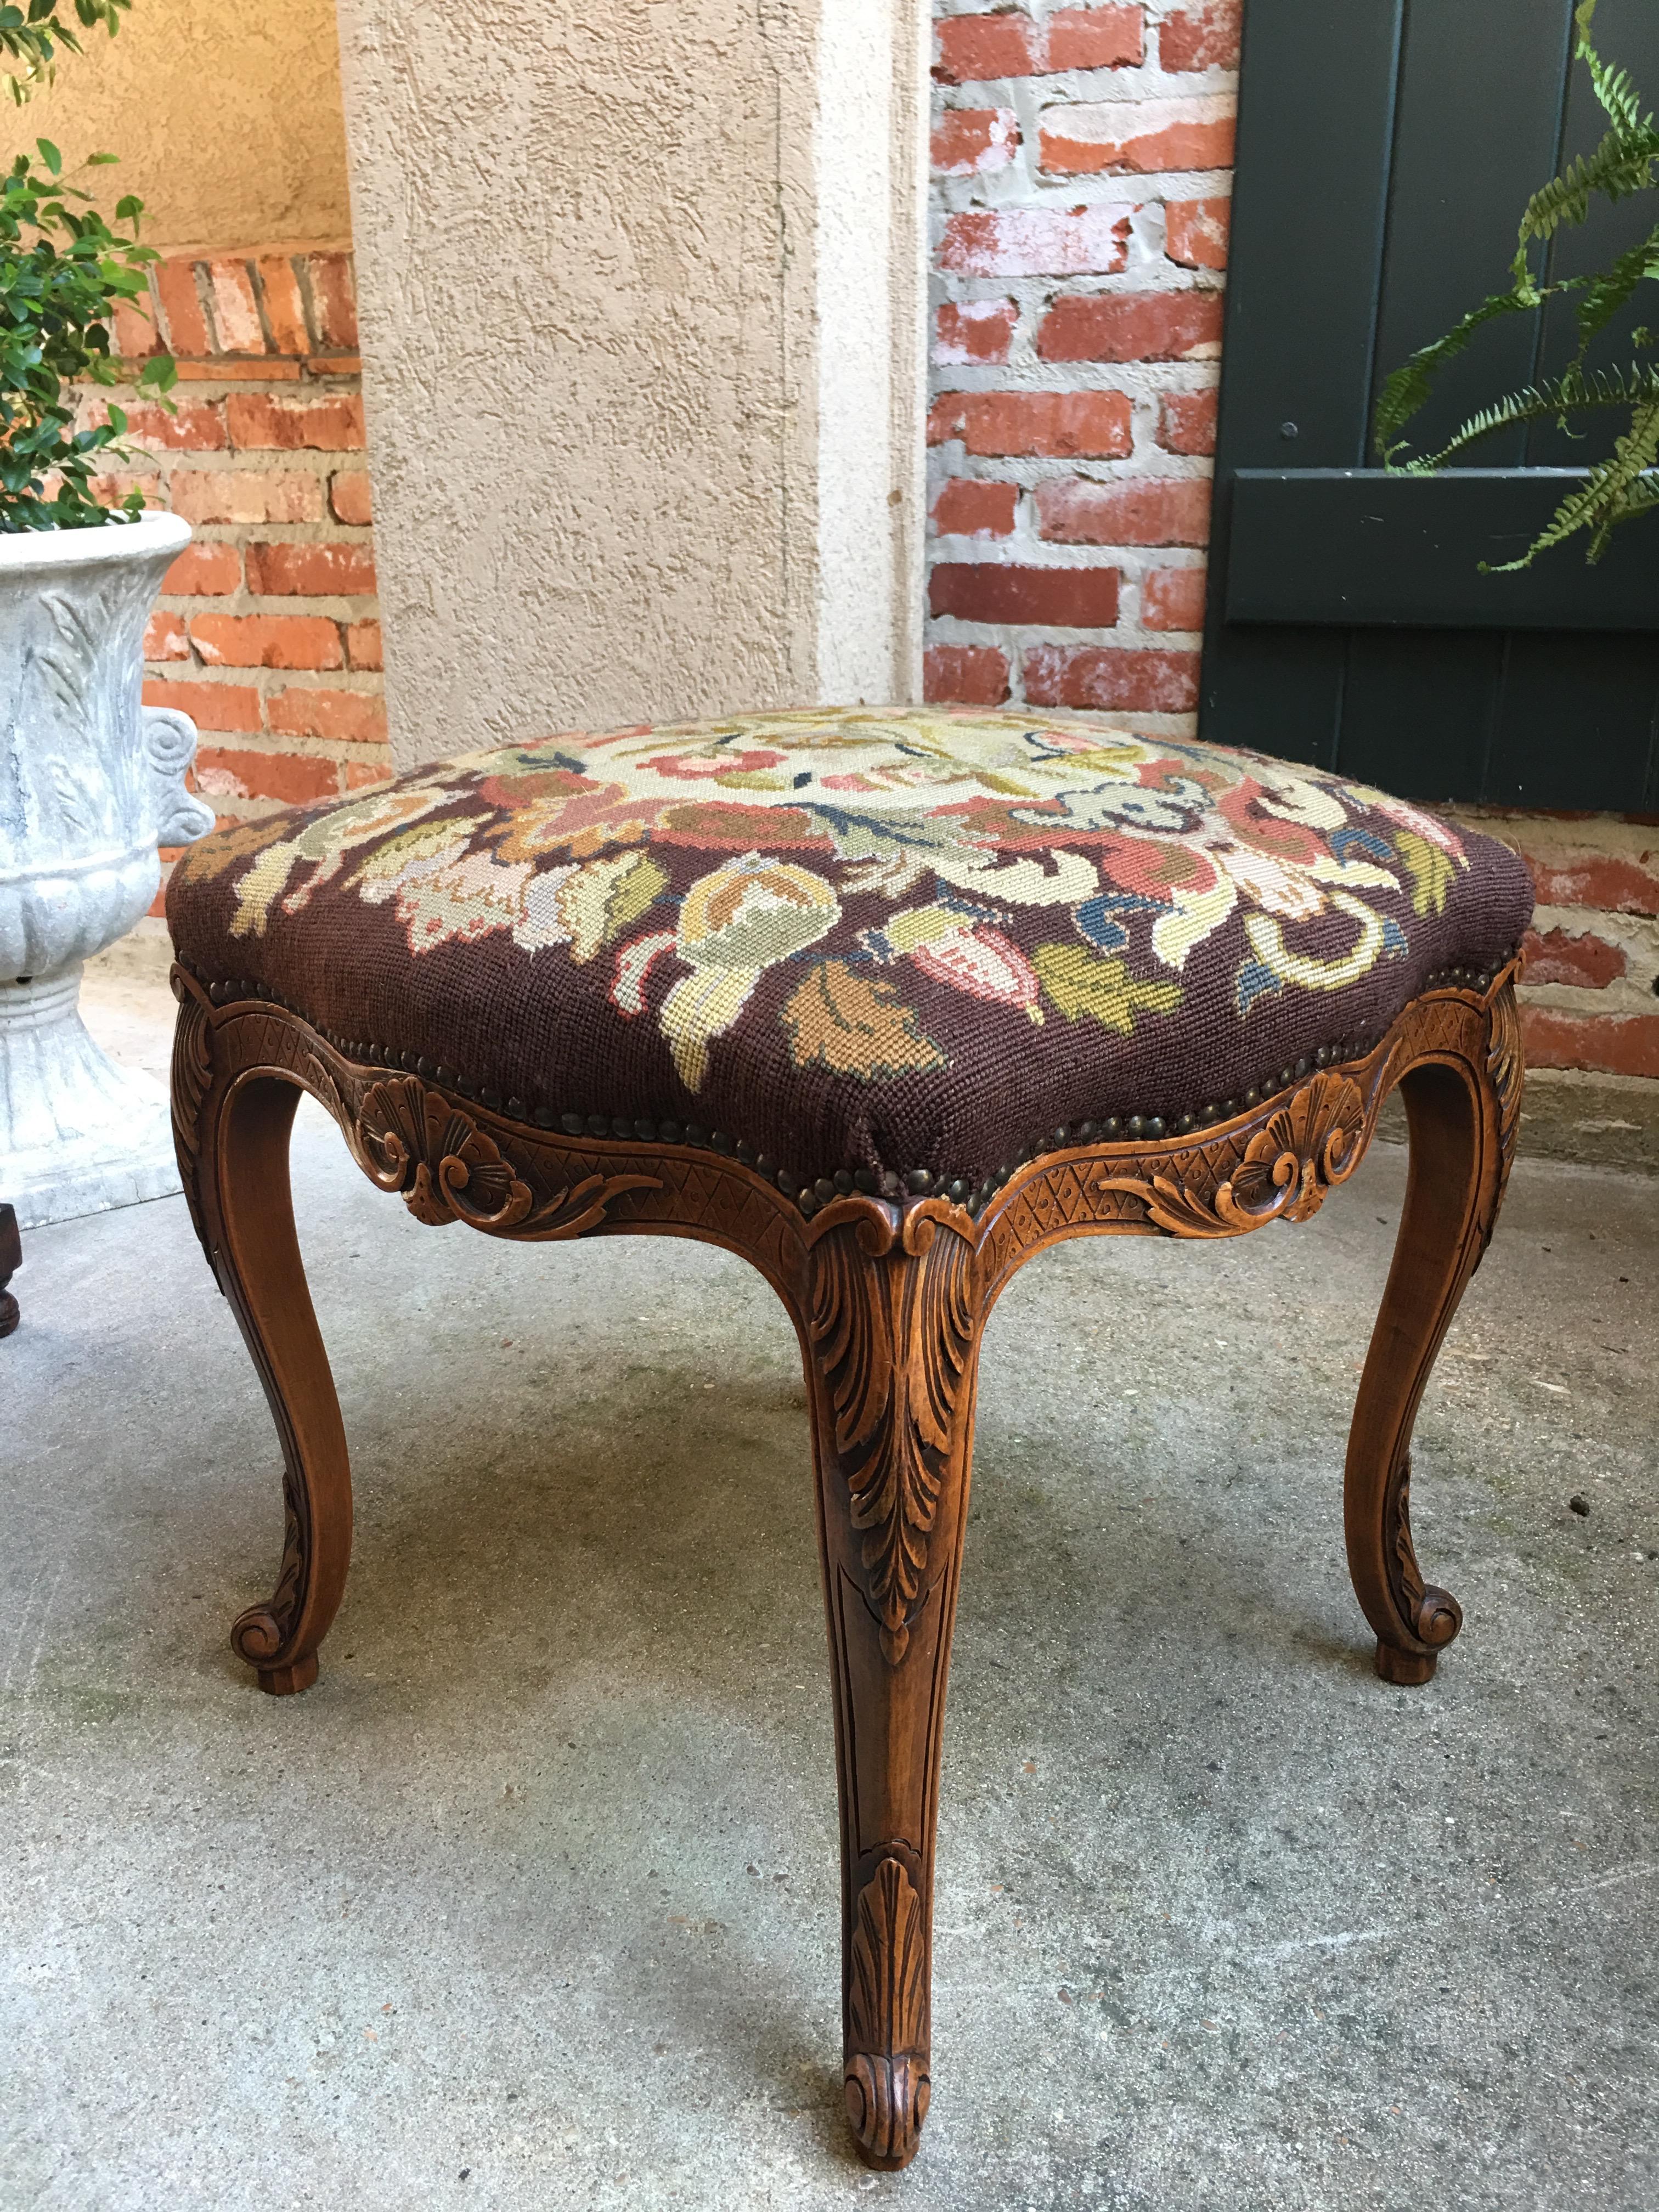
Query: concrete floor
x=531 y=1902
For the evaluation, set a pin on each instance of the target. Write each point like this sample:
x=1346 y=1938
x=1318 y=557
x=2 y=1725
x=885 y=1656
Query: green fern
x=1620 y=168
x=1616 y=491
x=1405 y=391
x=1608 y=292
x=1626 y=483
x=1613 y=87
x=1574 y=391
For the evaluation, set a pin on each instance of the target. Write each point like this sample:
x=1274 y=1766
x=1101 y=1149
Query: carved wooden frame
x=889 y=1299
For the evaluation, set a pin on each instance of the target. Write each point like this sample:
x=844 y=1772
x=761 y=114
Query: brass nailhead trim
x=811 y=1193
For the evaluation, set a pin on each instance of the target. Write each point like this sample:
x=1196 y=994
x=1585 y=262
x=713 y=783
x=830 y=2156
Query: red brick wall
x=1081 y=178
x=267 y=631
x=1081 y=158
x=1590 y=994
x=1076 y=342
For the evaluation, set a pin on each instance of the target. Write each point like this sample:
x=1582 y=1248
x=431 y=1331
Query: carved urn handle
x=169 y=749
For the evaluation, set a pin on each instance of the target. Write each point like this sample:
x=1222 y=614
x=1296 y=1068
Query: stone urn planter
x=91 y=783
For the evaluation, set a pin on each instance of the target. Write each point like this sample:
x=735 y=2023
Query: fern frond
x=1616 y=94
x=1573 y=514
x=1576 y=390
x=1609 y=291
x=1613 y=87
x=1640 y=498
x=1407 y=388
x=1616 y=491
x=1626 y=483
x=1633 y=455
x=1620 y=166
x=1642 y=495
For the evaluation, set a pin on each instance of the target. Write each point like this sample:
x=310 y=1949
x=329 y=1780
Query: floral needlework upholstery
x=851 y=938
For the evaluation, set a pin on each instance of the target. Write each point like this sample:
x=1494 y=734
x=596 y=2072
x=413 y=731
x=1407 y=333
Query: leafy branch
x=1623 y=486
x=32 y=35
x=63 y=272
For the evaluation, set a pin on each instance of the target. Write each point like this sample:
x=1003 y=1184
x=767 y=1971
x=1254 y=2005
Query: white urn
x=91 y=783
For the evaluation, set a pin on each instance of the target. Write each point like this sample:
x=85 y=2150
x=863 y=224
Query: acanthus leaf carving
x=892 y=1318
x=1433 y=1614
x=192 y=1058
x=69 y=660
x=192 y=1076
x=1505 y=1064
x=891 y=1299
x=852 y=1336
x=260 y=1634
x=886 y=2076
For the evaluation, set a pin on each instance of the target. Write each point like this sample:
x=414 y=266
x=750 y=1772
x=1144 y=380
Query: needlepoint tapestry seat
x=852 y=942
x=885 y=1002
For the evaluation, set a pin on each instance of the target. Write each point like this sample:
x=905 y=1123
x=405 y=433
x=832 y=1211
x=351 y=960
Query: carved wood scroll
x=1431 y=1614
x=1310 y=1144
x=422 y=1143
x=193 y=1077
x=1506 y=1066
x=262 y=1634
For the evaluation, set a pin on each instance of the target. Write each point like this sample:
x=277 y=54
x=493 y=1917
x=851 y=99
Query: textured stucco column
x=641 y=305
x=226 y=122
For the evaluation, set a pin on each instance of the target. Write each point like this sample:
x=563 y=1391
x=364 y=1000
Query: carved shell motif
x=1310 y=1145
x=416 y=1141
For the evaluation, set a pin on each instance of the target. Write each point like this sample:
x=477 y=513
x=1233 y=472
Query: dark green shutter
x=1386 y=149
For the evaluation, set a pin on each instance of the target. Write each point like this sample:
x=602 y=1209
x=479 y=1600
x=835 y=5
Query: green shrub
x=32 y=36
x=64 y=270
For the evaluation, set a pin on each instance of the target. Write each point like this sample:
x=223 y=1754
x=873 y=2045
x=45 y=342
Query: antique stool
x=885 y=1002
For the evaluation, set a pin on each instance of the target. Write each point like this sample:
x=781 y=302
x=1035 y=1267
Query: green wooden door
x=1386 y=149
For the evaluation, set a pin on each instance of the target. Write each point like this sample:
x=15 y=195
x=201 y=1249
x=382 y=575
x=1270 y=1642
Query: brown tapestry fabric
x=912 y=941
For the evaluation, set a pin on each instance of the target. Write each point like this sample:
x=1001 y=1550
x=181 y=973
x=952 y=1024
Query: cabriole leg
x=234 y=1154
x=1452 y=1191
x=892 y=1349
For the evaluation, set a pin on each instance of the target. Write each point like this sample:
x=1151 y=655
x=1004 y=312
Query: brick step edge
x=1572 y=1114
